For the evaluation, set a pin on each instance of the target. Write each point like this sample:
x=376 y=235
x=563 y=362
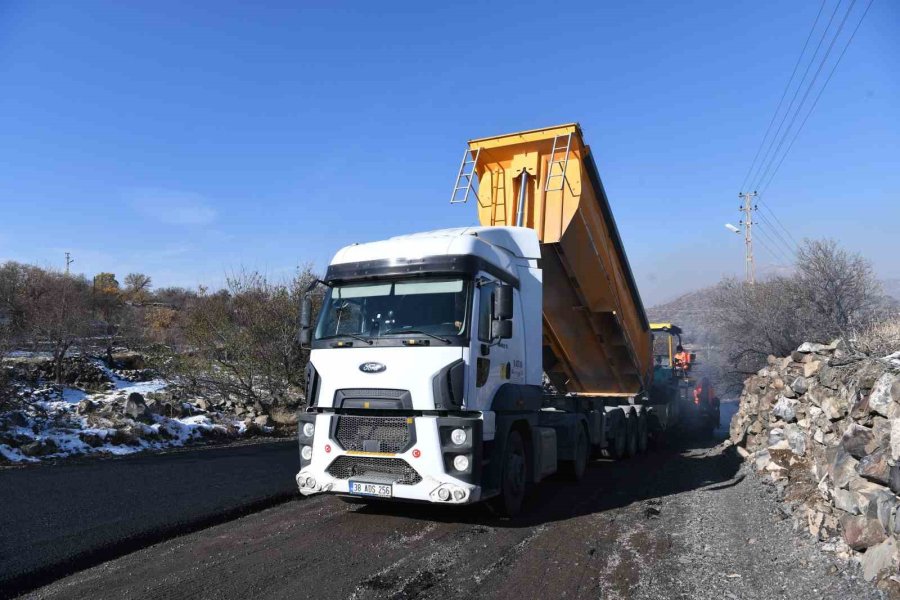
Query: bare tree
x=137 y=287
x=57 y=312
x=243 y=340
x=831 y=293
x=840 y=285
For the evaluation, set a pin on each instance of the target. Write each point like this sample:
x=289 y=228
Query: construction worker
x=682 y=358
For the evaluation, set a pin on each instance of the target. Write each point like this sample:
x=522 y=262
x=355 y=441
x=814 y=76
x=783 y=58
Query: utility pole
x=747 y=208
x=69 y=261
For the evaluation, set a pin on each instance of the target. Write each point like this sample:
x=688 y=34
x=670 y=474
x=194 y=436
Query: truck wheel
x=632 y=435
x=512 y=479
x=574 y=469
x=642 y=433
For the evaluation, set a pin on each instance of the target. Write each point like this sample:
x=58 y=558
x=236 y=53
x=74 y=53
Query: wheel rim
x=515 y=472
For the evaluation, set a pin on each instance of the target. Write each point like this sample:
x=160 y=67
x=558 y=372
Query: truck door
x=494 y=361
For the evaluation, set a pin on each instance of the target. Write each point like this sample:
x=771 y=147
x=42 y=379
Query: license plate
x=371 y=489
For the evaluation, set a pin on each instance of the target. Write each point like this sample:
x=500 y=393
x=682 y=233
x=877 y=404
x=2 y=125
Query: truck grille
x=373 y=434
x=387 y=470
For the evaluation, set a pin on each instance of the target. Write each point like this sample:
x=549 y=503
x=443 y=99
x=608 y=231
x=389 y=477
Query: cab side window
x=485 y=311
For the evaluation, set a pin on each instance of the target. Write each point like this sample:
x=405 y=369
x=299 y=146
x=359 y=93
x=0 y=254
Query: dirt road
x=682 y=523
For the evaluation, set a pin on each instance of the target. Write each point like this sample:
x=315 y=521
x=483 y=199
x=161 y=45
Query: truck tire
x=631 y=446
x=574 y=469
x=642 y=433
x=513 y=478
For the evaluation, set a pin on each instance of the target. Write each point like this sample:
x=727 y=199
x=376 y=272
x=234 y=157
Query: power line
x=778 y=221
x=779 y=260
x=783 y=95
x=774 y=243
x=805 y=95
x=796 y=92
x=816 y=100
x=777 y=138
x=777 y=235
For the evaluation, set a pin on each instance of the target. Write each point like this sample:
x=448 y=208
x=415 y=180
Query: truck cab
x=424 y=347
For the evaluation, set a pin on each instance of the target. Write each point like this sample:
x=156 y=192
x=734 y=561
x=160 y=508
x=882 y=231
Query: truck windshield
x=436 y=307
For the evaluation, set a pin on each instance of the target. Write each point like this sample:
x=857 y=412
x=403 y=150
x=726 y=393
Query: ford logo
x=372 y=367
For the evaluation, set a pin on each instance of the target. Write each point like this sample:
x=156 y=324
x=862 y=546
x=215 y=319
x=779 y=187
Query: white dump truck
x=462 y=365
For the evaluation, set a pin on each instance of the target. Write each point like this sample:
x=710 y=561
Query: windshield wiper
x=352 y=335
x=419 y=331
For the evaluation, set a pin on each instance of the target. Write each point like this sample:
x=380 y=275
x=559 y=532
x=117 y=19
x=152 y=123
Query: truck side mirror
x=501 y=329
x=305 y=334
x=503 y=302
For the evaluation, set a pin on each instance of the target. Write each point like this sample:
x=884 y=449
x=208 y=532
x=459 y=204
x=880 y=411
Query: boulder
x=841 y=466
x=800 y=385
x=828 y=376
x=262 y=420
x=881 y=428
x=869 y=373
x=135 y=407
x=875 y=467
x=861 y=532
x=808 y=347
x=858 y=440
x=776 y=434
x=39 y=448
x=881 y=397
x=819 y=436
x=879 y=558
x=786 y=409
x=846 y=501
x=833 y=408
x=885 y=507
x=796 y=440
x=86 y=406
x=811 y=368
x=895 y=439
x=894 y=479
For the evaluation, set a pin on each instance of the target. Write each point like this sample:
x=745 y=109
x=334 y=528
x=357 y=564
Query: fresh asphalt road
x=677 y=523
x=58 y=518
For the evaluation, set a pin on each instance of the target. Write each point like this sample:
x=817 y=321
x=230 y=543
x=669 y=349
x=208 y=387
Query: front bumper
x=422 y=472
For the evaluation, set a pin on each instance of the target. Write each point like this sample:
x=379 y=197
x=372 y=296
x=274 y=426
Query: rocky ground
x=689 y=521
x=103 y=411
x=822 y=426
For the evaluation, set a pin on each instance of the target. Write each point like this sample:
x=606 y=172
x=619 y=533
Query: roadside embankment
x=823 y=426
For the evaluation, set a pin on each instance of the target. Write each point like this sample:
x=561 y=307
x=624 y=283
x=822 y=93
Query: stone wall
x=823 y=425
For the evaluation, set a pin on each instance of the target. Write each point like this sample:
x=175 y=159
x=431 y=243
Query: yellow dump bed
x=596 y=335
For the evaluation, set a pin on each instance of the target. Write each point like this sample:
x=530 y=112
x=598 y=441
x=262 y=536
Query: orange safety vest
x=683 y=359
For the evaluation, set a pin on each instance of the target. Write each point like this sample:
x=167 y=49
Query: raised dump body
x=596 y=338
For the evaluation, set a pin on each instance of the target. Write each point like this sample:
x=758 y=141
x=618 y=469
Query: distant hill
x=689 y=311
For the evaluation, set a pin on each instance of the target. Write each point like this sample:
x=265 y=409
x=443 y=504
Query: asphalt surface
x=58 y=518
x=685 y=522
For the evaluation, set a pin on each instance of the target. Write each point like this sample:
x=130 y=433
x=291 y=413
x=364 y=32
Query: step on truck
x=463 y=365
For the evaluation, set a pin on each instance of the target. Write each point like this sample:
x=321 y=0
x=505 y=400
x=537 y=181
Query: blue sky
x=188 y=141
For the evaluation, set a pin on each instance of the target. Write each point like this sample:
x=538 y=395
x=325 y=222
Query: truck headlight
x=458 y=436
x=306 y=452
x=309 y=429
x=461 y=462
